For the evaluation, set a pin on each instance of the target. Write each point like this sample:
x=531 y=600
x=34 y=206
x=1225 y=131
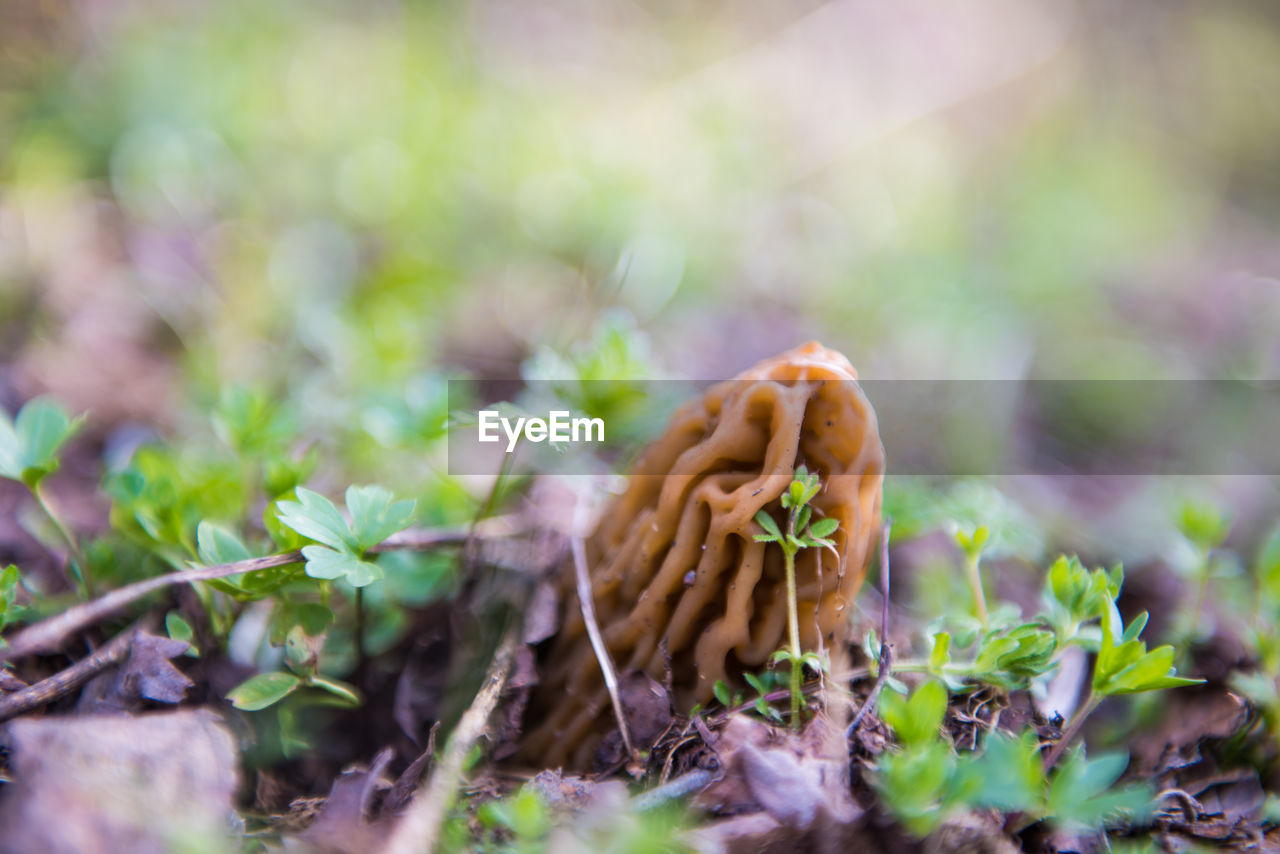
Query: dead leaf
x=402 y=790
x=646 y=707
x=797 y=784
x=147 y=674
x=343 y=824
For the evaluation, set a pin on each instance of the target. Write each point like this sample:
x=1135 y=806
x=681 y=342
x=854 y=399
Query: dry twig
x=49 y=633
x=886 y=651
x=593 y=627
x=419 y=830
x=48 y=690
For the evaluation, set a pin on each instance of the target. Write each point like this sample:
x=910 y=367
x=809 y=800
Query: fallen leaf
x=342 y=824
x=147 y=674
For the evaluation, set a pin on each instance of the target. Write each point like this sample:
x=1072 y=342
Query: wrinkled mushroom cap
x=682 y=591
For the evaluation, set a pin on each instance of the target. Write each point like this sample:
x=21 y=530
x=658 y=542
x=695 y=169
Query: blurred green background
x=341 y=204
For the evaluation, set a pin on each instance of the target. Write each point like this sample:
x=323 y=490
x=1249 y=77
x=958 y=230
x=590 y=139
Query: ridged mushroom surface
x=681 y=589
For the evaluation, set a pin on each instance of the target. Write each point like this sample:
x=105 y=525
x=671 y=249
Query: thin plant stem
x=1072 y=730
x=975 y=584
x=793 y=632
x=359 y=626
x=79 y=568
x=1206 y=567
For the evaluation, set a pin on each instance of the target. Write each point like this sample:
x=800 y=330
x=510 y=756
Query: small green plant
x=29 y=446
x=972 y=543
x=1205 y=528
x=925 y=778
x=344 y=546
x=516 y=823
x=294 y=689
x=10 y=610
x=799 y=532
x=764 y=684
x=1262 y=686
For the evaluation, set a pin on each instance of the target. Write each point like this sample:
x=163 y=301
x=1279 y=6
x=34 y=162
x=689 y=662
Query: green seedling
x=801 y=532
x=342 y=547
x=302 y=655
x=29 y=447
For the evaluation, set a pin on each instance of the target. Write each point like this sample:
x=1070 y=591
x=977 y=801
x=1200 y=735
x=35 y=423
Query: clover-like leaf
x=217 y=544
x=916 y=720
x=914 y=784
x=314 y=516
x=375 y=515
x=326 y=563
x=1008 y=775
x=30 y=443
x=1081 y=794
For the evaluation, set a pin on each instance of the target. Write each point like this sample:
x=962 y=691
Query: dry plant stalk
x=673 y=562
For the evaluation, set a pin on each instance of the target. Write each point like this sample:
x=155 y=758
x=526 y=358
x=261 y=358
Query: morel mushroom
x=682 y=590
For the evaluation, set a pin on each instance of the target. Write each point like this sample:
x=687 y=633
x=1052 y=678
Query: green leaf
x=324 y=562
x=29 y=445
x=251 y=422
x=1128 y=668
x=179 y=629
x=940 y=655
x=344 y=692
x=802 y=518
x=263 y=690
x=917 y=720
x=314 y=516
x=1080 y=793
x=972 y=543
x=374 y=516
x=10 y=581
x=1134 y=631
x=1008 y=775
x=824 y=527
x=721 y=691
x=913 y=783
x=764 y=520
x=217 y=544
x=1203 y=524
x=1267 y=567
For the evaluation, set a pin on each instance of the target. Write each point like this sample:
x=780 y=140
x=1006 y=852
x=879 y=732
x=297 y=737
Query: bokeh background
x=341 y=205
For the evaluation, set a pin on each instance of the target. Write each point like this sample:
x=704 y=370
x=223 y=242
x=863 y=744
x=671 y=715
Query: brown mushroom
x=675 y=572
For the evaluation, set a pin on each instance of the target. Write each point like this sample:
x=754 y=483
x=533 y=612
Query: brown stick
x=48 y=690
x=49 y=633
x=886 y=652
x=587 y=602
x=419 y=830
